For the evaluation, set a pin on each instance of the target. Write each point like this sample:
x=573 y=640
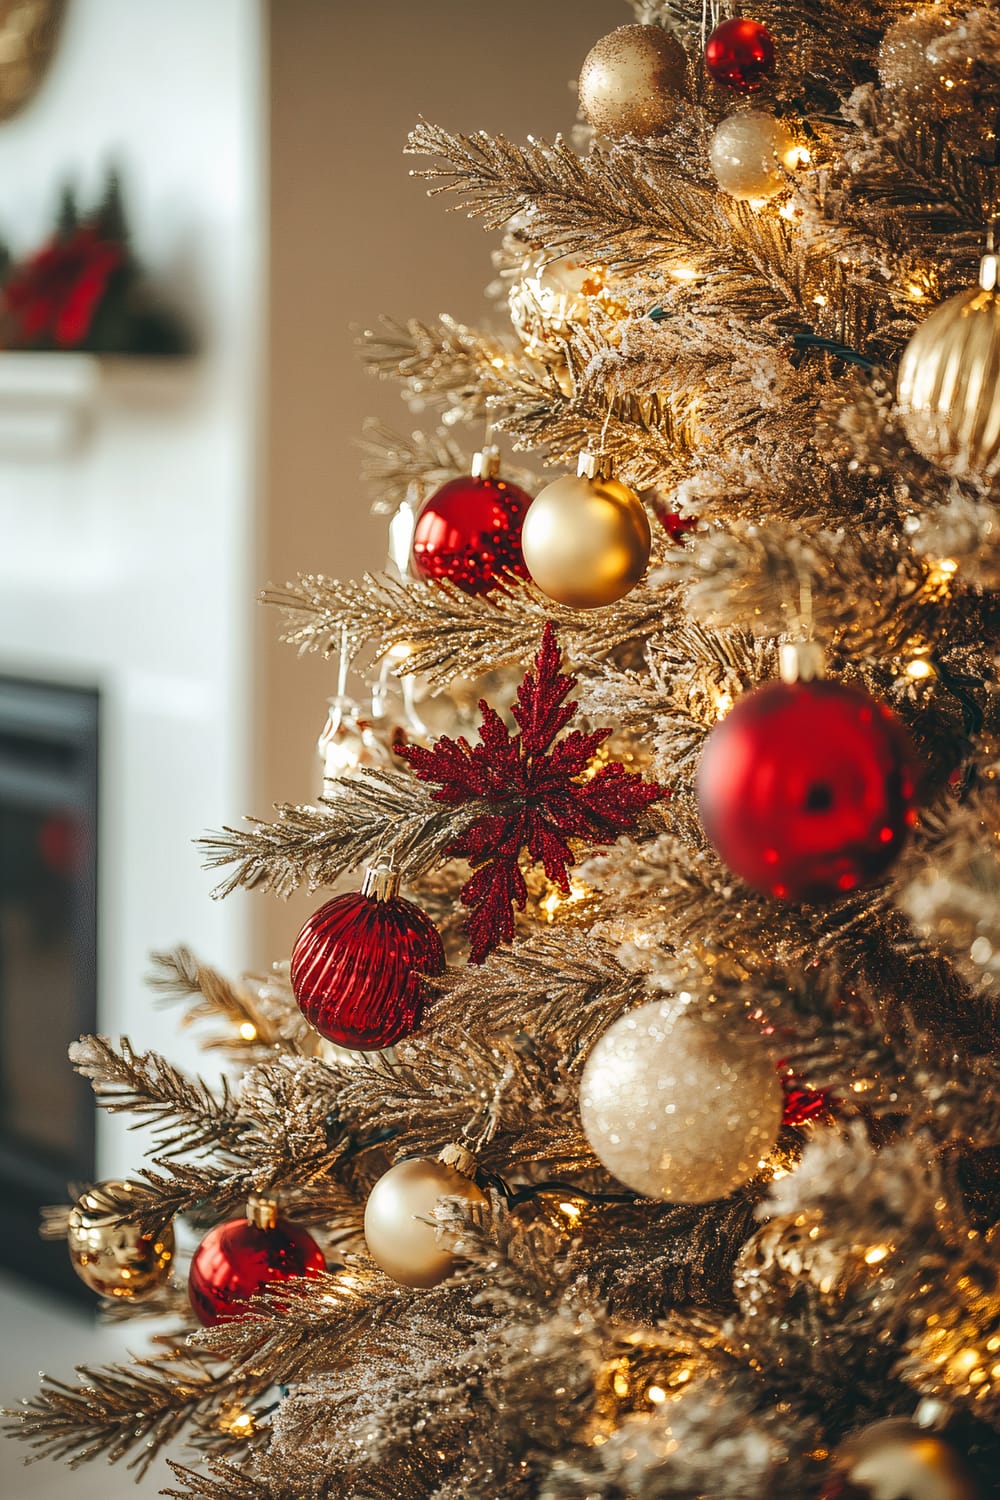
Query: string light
x=554 y=900
x=236 y=1421
x=722 y=701
x=248 y=1031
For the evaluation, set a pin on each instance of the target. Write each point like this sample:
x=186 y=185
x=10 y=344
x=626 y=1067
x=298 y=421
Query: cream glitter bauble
x=116 y=1260
x=749 y=151
x=631 y=81
x=897 y=1460
x=677 y=1108
x=586 y=539
x=947 y=391
x=909 y=63
x=399 y=1240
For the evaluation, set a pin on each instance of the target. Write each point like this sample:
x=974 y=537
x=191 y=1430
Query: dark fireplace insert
x=48 y=961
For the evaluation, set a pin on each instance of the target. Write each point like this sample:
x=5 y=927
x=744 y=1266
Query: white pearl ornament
x=748 y=153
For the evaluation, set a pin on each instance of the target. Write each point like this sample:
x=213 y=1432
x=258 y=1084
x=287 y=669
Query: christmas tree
x=626 y=1123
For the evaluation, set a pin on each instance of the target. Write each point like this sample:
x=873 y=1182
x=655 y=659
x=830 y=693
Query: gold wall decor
x=28 y=33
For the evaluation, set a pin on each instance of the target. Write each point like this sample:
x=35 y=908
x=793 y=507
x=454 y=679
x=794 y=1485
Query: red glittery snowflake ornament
x=536 y=792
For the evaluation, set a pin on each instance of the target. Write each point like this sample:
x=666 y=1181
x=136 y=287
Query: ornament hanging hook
x=344 y=663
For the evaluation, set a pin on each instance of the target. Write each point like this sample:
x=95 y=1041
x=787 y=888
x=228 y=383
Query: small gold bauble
x=749 y=151
x=948 y=392
x=114 y=1259
x=586 y=540
x=550 y=297
x=632 y=80
x=406 y=1247
x=678 y=1108
x=897 y=1460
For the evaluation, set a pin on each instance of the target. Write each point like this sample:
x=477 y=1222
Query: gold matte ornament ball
x=586 y=539
x=116 y=1260
x=632 y=81
x=947 y=391
x=678 y=1108
x=897 y=1460
x=748 y=153
x=399 y=1240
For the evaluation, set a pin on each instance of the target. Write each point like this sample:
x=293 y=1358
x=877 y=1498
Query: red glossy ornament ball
x=739 y=54
x=806 y=789
x=359 y=963
x=238 y=1259
x=469 y=532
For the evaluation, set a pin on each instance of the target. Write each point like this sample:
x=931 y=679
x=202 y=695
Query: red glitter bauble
x=238 y=1259
x=739 y=54
x=806 y=789
x=358 y=968
x=469 y=532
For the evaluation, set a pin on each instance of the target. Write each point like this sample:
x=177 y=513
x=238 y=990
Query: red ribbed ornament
x=238 y=1259
x=359 y=963
x=469 y=531
x=739 y=54
x=806 y=789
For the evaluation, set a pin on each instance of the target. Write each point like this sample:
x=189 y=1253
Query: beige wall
x=352 y=236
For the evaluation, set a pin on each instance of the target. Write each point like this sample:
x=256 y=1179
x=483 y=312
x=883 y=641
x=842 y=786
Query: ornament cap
x=594 y=465
x=381 y=882
x=458 y=1158
x=801 y=661
x=262 y=1211
x=989 y=271
x=486 y=463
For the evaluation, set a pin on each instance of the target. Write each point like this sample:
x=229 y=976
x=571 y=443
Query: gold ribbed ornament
x=947 y=389
x=586 y=538
x=116 y=1260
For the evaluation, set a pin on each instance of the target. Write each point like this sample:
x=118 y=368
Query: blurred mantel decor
x=84 y=290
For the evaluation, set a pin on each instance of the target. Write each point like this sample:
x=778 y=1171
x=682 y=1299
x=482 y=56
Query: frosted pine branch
x=451 y=633
x=375 y=814
x=186 y=1115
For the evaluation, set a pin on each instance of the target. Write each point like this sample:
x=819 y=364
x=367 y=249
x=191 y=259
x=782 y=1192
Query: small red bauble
x=739 y=54
x=806 y=789
x=358 y=965
x=676 y=526
x=238 y=1259
x=469 y=531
